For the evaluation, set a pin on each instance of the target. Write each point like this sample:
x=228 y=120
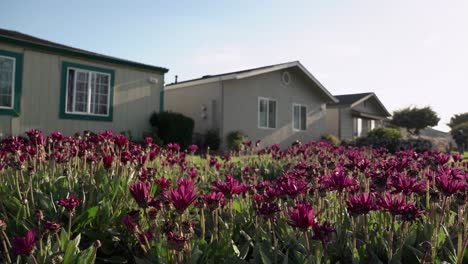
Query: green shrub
x=388 y=138
x=212 y=139
x=235 y=139
x=385 y=132
x=173 y=127
x=417 y=144
x=332 y=139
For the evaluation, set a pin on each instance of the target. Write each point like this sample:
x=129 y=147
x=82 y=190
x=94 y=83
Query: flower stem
x=202 y=223
x=306 y=238
x=70 y=215
x=5 y=249
x=390 y=240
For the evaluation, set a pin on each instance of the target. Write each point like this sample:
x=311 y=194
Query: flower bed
x=100 y=198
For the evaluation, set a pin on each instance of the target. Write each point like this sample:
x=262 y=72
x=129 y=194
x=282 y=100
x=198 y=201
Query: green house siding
x=18 y=83
x=63 y=93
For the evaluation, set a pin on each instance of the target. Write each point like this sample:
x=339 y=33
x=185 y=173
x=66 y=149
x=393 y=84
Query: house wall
x=241 y=107
x=135 y=98
x=195 y=102
x=332 y=121
x=346 y=124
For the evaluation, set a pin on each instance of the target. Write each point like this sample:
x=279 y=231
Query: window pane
x=262 y=108
x=81 y=92
x=359 y=127
x=271 y=114
x=6 y=81
x=70 y=89
x=303 y=118
x=99 y=90
x=296 y=117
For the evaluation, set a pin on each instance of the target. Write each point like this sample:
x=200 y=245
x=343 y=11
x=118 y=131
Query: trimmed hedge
x=173 y=127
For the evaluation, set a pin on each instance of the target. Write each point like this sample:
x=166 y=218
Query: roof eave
x=70 y=52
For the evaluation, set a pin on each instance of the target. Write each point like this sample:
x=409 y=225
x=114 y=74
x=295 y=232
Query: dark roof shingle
x=349 y=99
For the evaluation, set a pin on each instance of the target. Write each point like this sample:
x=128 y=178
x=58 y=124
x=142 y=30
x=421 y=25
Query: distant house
x=276 y=104
x=355 y=115
x=54 y=87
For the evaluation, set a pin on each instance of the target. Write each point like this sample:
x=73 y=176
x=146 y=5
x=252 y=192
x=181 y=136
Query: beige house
x=276 y=104
x=52 y=87
x=355 y=115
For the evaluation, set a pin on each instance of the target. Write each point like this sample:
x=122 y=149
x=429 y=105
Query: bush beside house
x=235 y=139
x=173 y=127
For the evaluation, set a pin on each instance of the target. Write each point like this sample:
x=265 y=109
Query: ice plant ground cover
x=100 y=198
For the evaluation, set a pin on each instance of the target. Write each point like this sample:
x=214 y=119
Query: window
x=299 y=117
x=10 y=82
x=87 y=92
x=357 y=124
x=266 y=113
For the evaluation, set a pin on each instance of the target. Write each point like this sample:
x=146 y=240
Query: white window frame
x=372 y=124
x=88 y=103
x=13 y=78
x=357 y=126
x=268 y=112
x=300 y=129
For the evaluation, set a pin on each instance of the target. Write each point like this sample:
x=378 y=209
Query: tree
x=457 y=120
x=415 y=119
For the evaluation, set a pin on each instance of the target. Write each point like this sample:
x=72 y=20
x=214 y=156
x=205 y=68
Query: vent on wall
x=286 y=78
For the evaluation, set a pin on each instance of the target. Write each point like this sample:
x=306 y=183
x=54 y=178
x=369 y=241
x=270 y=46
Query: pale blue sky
x=409 y=52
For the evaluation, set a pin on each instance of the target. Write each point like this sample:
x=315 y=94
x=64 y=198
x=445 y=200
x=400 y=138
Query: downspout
x=161 y=98
x=221 y=129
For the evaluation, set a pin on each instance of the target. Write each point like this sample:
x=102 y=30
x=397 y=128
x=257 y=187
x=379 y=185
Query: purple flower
x=107 y=160
x=176 y=242
x=406 y=185
x=52 y=226
x=24 y=245
x=268 y=210
x=361 y=203
x=56 y=136
x=230 y=187
x=409 y=212
x=448 y=184
x=392 y=203
x=290 y=185
x=338 y=180
x=323 y=231
x=163 y=182
x=213 y=200
x=301 y=216
x=148 y=235
x=193 y=173
x=192 y=149
x=139 y=192
x=129 y=222
x=184 y=195
x=70 y=204
x=121 y=141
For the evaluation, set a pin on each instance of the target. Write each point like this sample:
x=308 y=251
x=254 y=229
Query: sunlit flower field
x=99 y=198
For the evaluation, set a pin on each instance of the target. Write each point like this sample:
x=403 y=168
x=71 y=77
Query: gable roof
x=349 y=99
x=352 y=100
x=18 y=38
x=249 y=73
